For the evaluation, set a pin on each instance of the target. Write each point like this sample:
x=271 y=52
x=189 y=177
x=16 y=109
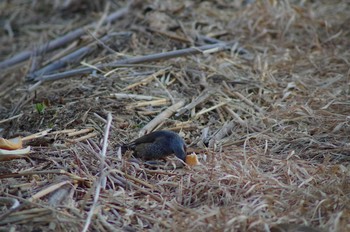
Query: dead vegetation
x=268 y=116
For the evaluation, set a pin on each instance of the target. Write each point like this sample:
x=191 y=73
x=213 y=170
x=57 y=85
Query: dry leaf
x=14 y=154
x=11 y=144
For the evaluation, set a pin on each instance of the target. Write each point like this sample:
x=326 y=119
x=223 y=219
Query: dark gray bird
x=158 y=144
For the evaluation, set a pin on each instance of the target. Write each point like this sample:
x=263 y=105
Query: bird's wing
x=149 y=138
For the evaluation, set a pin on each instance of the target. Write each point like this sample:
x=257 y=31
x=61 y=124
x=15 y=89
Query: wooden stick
x=11 y=118
x=132 y=96
x=101 y=181
x=85 y=137
x=53 y=171
x=48 y=190
x=56 y=43
x=79 y=132
x=247 y=101
x=158 y=102
x=236 y=116
x=36 y=135
x=78 y=54
x=238 y=50
x=147 y=79
x=136 y=60
x=172 y=54
x=204 y=95
x=137 y=180
x=165 y=89
x=94 y=204
x=104 y=147
x=225 y=131
x=161 y=117
x=203 y=111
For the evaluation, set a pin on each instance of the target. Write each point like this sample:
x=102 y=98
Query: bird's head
x=179 y=150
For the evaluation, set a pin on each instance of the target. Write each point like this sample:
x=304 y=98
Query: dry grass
x=278 y=143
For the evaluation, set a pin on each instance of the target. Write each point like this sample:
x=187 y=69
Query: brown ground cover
x=267 y=113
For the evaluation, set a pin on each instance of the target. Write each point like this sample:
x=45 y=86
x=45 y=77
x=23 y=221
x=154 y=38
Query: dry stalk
x=160 y=118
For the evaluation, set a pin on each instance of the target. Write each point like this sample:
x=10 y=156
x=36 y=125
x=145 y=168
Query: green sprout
x=40 y=108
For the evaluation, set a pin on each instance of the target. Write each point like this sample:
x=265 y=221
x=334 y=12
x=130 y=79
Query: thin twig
x=204 y=110
x=161 y=117
x=92 y=209
x=204 y=95
x=131 y=96
x=136 y=60
x=11 y=118
x=105 y=145
x=165 y=89
x=225 y=131
x=101 y=182
x=237 y=49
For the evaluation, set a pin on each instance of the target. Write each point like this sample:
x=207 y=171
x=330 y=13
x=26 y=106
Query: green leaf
x=40 y=108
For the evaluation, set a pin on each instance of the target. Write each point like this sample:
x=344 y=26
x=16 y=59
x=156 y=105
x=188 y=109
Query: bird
x=157 y=145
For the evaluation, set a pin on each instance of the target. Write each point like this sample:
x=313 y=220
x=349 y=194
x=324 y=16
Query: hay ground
x=274 y=148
